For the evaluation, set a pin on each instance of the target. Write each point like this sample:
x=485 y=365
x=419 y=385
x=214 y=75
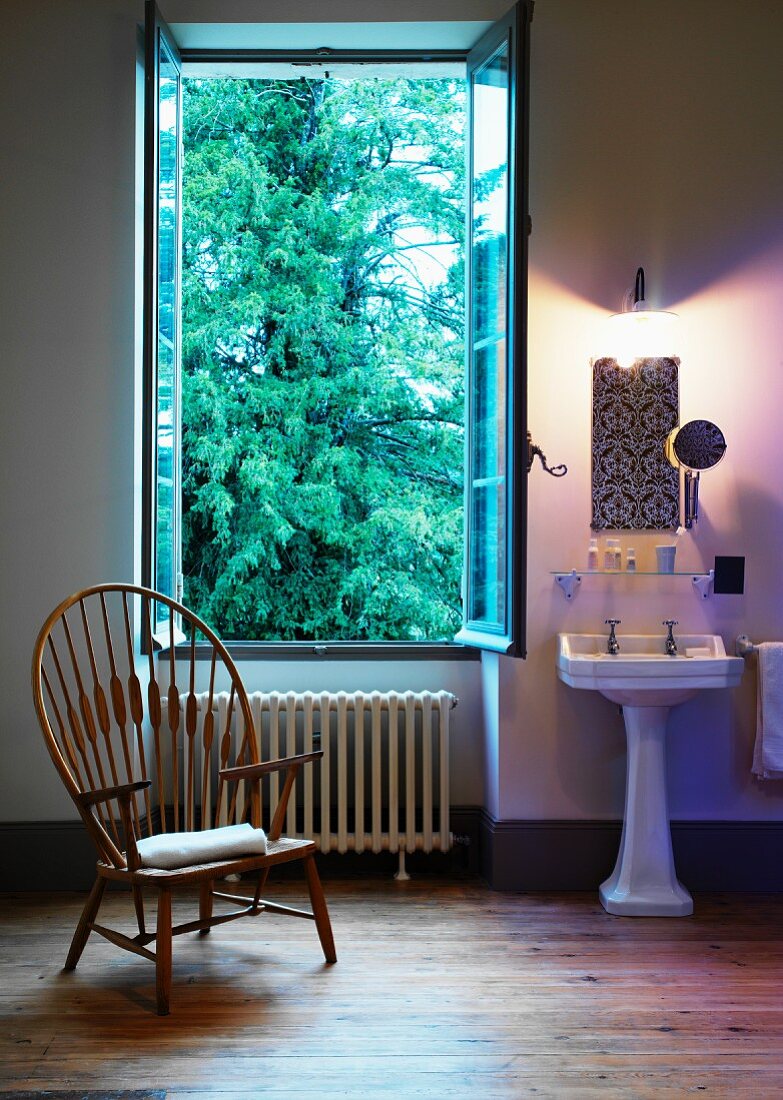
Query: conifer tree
x=322 y=359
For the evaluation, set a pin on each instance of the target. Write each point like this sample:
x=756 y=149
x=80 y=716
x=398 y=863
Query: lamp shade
x=641 y=334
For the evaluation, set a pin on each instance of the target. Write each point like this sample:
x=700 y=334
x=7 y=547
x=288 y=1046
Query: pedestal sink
x=646 y=682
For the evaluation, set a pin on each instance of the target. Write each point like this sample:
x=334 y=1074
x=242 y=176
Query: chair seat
x=277 y=851
x=171 y=851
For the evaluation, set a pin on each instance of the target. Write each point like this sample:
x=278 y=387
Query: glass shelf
x=570 y=579
x=624 y=573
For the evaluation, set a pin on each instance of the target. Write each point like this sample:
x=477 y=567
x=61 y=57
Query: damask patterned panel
x=634 y=486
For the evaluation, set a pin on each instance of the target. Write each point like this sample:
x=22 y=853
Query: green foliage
x=322 y=364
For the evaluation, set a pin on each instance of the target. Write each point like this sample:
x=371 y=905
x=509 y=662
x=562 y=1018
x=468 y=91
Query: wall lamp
x=639 y=332
x=636 y=336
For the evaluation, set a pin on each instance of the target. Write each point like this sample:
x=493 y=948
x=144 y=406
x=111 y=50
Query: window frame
x=157 y=32
x=512 y=31
x=468 y=643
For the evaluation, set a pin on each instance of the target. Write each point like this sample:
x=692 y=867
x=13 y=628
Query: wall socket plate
x=729 y=576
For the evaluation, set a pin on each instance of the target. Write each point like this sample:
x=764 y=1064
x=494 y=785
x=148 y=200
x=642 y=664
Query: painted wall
x=655 y=140
x=69 y=220
x=67 y=289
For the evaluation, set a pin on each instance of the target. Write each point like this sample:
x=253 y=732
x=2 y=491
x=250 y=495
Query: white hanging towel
x=768 y=750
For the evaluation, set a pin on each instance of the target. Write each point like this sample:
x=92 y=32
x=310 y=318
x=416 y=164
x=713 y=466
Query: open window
x=413 y=429
x=162 y=321
x=496 y=449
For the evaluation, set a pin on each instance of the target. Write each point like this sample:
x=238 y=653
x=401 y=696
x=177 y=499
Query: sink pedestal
x=644 y=882
x=646 y=682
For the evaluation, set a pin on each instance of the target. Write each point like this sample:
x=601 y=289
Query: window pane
x=167 y=334
x=487 y=520
x=489 y=367
x=323 y=378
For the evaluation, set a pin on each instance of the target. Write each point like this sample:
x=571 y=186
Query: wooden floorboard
x=440 y=990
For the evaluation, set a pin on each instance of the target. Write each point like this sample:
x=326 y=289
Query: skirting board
x=743 y=856
x=58 y=855
x=511 y=855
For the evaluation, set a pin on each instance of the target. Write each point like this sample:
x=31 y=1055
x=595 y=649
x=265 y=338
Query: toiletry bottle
x=592 y=555
x=630 y=560
x=614 y=548
x=609 y=555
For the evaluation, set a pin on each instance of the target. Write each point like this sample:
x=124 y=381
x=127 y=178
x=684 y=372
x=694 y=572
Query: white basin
x=646 y=682
x=642 y=673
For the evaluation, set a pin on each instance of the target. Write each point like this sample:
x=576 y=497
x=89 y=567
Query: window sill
x=340 y=651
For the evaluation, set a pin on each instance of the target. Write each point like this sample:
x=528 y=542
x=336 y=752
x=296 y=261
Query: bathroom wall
x=655 y=140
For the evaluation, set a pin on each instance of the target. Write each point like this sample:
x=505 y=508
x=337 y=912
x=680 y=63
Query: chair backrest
x=103 y=727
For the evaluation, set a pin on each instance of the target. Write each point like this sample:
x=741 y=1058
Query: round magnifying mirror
x=697 y=445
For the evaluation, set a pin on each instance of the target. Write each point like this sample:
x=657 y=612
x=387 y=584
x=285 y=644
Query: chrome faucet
x=613 y=646
x=671 y=645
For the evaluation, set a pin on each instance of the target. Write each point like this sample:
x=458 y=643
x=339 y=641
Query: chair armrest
x=291 y=764
x=121 y=792
x=254 y=771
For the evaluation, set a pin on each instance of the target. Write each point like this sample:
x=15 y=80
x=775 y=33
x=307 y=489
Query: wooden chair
x=131 y=769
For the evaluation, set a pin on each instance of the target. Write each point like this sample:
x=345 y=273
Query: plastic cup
x=665 y=556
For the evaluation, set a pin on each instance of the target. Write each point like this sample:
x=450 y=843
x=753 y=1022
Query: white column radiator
x=383 y=781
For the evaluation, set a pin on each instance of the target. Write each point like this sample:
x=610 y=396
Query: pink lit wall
x=656 y=139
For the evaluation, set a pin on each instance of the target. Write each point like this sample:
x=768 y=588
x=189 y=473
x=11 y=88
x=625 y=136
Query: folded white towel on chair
x=768 y=750
x=168 y=851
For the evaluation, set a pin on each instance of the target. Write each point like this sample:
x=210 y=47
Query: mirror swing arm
x=696 y=446
x=691 y=499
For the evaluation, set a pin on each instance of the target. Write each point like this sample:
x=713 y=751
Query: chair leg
x=84 y=927
x=205 y=902
x=321 y=913
x=263 y=876
x=138 y=904
x=163 y=953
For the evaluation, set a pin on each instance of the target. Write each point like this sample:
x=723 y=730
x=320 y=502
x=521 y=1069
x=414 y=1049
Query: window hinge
x=531 y=8
x=529 y=223
x=180 y=588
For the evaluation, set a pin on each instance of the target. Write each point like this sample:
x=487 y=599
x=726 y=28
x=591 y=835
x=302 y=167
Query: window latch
x=533 y=451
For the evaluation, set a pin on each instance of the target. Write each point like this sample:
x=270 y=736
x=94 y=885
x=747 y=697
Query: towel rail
x=743 y=646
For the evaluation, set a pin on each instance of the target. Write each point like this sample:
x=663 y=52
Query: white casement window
x=338 y=461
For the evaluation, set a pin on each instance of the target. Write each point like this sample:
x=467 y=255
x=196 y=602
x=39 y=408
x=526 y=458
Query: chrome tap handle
x=671 y=645
x=613 y=646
